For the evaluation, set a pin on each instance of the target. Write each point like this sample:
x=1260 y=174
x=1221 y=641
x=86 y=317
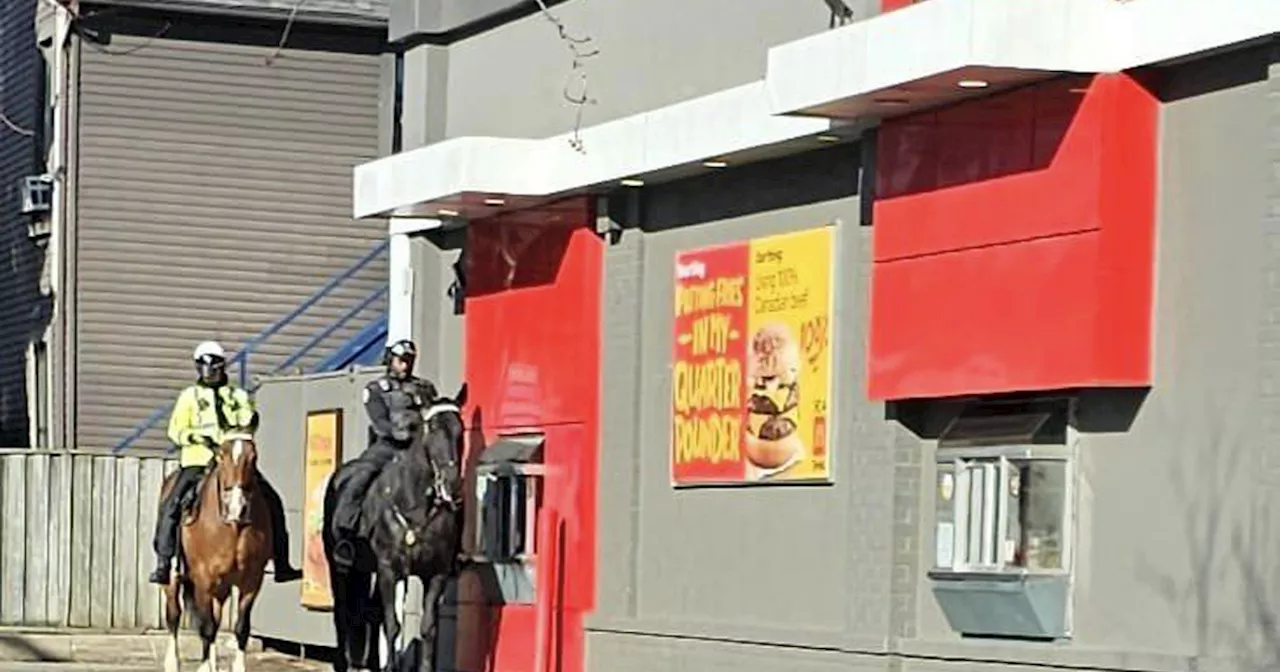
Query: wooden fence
x=75 y=539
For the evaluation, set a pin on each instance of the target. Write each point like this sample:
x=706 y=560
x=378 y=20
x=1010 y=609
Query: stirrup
x=344 y=552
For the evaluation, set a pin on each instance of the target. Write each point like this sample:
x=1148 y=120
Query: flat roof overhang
x=825 y=87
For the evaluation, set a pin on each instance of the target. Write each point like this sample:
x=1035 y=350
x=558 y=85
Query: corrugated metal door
x=214 y=197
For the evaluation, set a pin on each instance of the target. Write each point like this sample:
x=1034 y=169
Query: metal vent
x=36 y=193
x=978 y=430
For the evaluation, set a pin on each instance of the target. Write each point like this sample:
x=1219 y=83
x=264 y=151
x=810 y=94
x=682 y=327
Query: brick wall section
x=907 y=534
x=22 y=314
x=620 y=401
x=882 y=525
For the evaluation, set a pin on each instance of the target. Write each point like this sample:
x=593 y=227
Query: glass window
x=1002 y=494
x=507 y=517
x=1001 y=513
x=1041 y=508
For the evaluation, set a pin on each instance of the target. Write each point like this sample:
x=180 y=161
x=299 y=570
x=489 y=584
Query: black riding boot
x=285 y=572
x=166 y=537
x=346 y=514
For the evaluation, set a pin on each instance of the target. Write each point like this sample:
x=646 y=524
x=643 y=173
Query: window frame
x=511 y=458
x=956 y=453
x=491 y=476
x=39 y=391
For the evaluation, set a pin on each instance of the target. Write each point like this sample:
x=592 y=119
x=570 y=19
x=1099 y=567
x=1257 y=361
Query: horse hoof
x=171 y=663
x=237 y=661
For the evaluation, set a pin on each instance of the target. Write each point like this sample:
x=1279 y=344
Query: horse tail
x=188 y=589
x=326 y=506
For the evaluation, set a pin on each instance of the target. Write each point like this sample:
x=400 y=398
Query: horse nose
x=235 y=503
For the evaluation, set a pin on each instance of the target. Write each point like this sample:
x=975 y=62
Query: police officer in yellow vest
x=203 y=413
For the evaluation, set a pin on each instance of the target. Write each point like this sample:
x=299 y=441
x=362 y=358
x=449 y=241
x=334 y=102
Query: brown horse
x=225 y=541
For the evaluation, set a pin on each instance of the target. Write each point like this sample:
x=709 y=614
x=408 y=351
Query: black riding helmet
x=403 y=348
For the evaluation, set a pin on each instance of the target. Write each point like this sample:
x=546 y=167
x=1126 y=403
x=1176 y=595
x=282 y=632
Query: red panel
x=533 y=363
x=890 y=5
x=532 y=298
x=1014 y=243
x=989 y=174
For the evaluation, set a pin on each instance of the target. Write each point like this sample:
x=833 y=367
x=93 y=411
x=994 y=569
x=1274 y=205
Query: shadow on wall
x=1020 y=131
x=1098 y=411
x=1226 y=597
x=517 y=251
x=25 y=309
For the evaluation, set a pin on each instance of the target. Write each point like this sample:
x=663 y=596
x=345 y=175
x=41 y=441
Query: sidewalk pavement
x=20 y=648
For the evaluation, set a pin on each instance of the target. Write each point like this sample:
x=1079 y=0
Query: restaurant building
x=938 y=337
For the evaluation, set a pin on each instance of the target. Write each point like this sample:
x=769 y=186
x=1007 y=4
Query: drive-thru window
x=1002 y=519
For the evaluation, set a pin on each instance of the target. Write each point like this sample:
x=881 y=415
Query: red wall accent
x=890 y=5
x=533 y=363
x=1014 y=242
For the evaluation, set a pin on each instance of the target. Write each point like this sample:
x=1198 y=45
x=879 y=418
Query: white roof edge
x=936 y=37
x=921 y=41
x=720 y=123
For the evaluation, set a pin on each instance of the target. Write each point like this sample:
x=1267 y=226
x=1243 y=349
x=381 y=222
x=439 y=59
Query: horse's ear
x=461 y=397
x=428 y=390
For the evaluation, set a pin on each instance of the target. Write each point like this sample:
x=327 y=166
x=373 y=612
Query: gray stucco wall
x=1176 y=534
x=438 y=321
x=1177 y=538
x=651 y=54
x=283 y=404
x=750 y=578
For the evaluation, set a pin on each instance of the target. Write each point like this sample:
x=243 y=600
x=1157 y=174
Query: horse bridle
x=217 y=478
x=441 y=491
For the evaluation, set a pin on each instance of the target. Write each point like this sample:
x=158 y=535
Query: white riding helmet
x=210 y=349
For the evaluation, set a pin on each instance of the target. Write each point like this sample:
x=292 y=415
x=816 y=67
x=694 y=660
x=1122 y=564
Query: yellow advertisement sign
x=323 y=455
x=752 y=360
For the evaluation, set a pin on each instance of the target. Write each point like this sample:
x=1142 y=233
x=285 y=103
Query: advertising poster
x=751 y=372
x=323 y=455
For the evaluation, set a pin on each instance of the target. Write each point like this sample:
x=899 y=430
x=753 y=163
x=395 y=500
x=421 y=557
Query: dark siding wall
x=215 y=196
x=22 y=315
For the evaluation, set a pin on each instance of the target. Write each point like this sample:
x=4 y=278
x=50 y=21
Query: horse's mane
x=407 y=479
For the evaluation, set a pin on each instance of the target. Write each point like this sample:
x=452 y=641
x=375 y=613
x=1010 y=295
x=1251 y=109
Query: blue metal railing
x=242 y=357
x=328 y=331
x=364 y=348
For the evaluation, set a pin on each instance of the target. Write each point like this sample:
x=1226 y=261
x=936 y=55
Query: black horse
x=411 y=526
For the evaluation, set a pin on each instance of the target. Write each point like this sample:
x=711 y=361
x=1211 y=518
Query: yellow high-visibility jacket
x=195 y=416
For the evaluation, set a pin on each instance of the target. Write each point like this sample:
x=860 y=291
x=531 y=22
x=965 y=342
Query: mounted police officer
x=203 y=413
x=395 y=390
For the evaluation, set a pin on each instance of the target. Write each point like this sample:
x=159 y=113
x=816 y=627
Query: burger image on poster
x=773 y=374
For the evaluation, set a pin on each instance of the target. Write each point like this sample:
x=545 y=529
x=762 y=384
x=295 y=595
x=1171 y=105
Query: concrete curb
x=28 y=645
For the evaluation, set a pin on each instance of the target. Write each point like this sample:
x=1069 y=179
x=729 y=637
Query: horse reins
x=442 y=492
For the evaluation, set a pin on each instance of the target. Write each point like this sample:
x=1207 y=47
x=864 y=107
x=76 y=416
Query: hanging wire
x=135 y=48
x=284 y=36
x=13 y=126
x=269 y=60
x=581 y=49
